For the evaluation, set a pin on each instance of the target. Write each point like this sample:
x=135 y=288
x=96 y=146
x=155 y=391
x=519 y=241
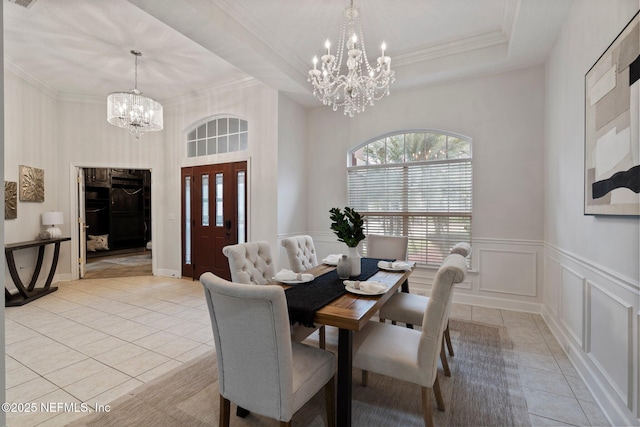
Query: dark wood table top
x=34 y=243
x=353 y=311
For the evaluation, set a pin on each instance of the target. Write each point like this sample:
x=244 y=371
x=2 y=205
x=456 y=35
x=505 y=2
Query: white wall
x=503 y=114
x=72 y=132
x=32 y=140
x=592 y=293
x=292 y=176
x=3 y=416
x=254 y=102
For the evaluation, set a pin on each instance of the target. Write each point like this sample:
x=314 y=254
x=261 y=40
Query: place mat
x=303 y=300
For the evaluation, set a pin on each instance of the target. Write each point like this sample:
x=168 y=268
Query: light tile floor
x=95 y=340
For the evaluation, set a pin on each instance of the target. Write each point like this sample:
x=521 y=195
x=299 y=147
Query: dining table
x=349 y=313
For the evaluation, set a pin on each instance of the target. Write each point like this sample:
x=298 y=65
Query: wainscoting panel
x=551 y=294
x=572 y=289
x=597 y=323
x=610 y=338
x=508 y=271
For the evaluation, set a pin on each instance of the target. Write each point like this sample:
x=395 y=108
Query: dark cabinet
x=121 y=209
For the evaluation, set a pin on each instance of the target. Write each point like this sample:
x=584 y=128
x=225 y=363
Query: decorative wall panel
x=10 y=200
x=610 y=338
x=508 y=271
x=552 y=278
x=31 y=184
x=572 y=303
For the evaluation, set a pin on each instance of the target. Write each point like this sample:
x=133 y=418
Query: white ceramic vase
x=356 y=261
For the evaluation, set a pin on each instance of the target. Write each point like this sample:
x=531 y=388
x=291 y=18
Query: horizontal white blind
x=428 y=201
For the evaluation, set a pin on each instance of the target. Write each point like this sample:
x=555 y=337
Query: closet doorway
x=115 y=222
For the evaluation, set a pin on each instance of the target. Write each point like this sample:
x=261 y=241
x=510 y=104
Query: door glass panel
x=219 y=211
x=187 y=219
x=205 y=200
x=242 y=232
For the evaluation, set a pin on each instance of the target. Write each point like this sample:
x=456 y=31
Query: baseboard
x=167 y=273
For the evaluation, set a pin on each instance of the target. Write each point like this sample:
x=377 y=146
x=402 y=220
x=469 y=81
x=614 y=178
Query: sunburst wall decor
x=10 y=200
x=31 y=184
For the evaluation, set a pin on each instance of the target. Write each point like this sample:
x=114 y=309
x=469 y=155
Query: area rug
x=483 y=390
x=124 y=266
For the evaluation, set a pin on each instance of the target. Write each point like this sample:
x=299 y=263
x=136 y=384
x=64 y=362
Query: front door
x=213 y=216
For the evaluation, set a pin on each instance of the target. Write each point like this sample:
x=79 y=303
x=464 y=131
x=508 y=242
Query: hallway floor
x=95 y=340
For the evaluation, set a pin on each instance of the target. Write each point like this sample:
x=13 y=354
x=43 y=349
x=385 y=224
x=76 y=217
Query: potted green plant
x=348 y=225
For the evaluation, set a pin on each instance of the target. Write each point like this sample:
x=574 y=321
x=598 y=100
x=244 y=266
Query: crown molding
x=29 y=78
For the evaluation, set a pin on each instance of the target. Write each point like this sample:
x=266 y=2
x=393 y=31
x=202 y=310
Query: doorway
x=115 y=222
x=214 y=213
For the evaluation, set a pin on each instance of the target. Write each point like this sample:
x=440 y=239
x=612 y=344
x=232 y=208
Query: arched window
x=220 y=135
x=416 y=184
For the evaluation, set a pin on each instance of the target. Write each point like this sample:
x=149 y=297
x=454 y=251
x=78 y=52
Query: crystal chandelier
x=363 y=84
x=133 y=111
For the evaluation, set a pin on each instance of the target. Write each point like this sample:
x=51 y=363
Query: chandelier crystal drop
x=131 y=110
x=362 y=84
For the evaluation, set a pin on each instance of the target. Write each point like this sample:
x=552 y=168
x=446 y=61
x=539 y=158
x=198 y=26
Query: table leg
x=345 y=347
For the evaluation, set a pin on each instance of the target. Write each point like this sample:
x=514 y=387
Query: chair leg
x=365 y=378
x=382 y=320
x=330 y=397
x=322 y=337
x=405 y=286
x=241 y=412
x=438 y=393
x=225 y=412
x=427 y=412
x=447 y=338
x=445 y=363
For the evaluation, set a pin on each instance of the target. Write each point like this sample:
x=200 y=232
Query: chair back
x=462 y=248
x=253 y=346
x=301 y=253
x=387 y=247
x=453 y=270
x=250 y=263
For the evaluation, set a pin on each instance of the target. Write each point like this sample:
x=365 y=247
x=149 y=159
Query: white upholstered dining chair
x=415 y=353
x=409 y=308
x=252 y=263
x=389 y=247
x=301 y=252
x=259 y=368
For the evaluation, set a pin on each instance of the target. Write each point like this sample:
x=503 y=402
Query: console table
x=29 y=292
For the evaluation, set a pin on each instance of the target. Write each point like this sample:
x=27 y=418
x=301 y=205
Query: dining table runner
x=304 y=299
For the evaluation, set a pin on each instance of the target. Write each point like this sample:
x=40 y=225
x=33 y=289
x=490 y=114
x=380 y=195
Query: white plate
x=391 y=269
x=329 y=263
x=293 y=282
x=361 y=292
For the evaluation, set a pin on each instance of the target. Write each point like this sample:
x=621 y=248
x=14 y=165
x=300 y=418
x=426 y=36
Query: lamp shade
x=52 y=218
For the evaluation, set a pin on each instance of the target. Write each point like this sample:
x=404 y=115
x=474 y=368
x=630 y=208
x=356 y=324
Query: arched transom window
x=416 y=184
x=220 y=135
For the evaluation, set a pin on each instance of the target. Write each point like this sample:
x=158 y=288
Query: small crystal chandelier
x=363 y=84
x=133 y=111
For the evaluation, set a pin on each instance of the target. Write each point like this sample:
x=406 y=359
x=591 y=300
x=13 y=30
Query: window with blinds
x=416 y=184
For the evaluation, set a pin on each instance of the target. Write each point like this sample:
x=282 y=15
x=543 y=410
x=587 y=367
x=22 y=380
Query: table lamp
x=52 y=219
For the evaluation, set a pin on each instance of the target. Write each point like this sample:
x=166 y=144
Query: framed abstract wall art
x=31 y=184
x=612 y=118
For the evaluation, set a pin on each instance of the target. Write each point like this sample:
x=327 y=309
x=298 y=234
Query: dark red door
x=214 y=216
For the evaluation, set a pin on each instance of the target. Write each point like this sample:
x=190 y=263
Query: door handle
x=228 y=224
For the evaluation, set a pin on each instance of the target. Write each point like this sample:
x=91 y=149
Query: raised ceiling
x=81 y=48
